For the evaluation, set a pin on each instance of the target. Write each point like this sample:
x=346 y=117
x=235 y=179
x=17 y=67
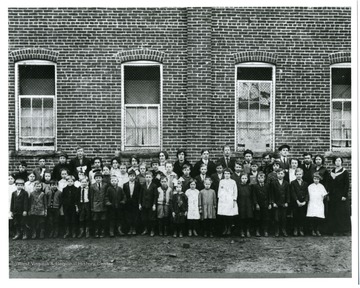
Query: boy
x=19 y=208
x=284 y=157
x=248 y=155
x=80 y=162
x=262 y=206
x=141 y=176
x=30 y=184
x=185 y=178
x=279 y=198
x=132 y=191
x=147 y=204
x=179 y=207
x=266 y=167
x=156 y=172
x=205 y=153
x=70 y=200
x=171 y=176
x=164 y=194
x=114 y=200
x=97 y=204
x=60 y=166
x=124 y=176
x=299 y=197
x=84 y=208
x=63 y=181
x=272 y=176
x=38 y=210
x=40 y=170
x=216 y=177
x=22 y=173
x=54 y=201
x=253 y=173
x=201 y=177
x=308 y=168
x=97 y=166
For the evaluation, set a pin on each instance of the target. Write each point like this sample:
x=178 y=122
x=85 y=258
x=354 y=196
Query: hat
x=62 y=154
x=98 y=174
x=19 y=180
x=284 y=146
x=317 y=175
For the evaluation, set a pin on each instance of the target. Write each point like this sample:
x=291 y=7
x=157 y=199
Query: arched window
x=141 y=102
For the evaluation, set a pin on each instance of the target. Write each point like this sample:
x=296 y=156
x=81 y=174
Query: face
x=316 y=180
x=227 y=175
x=244 y=179
x=169 y=168
x=114 y=181
x=284 y=152
x=19 y=186
x=267 y=159
x=64 y=174
x=132 y=177
x=338 y=162
x=193 y=185
x=155 y=166
x=294 y=164
x=47 y=177
x=53 y=187
x=219 y=169
x=38 y=186
x=22 y=168
x=162 y=157
x=186 y=171
x=318 y=161
x=31 y=177
x=178 y=188
x=106 y=171
x=115 y=164
x=205 y=155
x=203 y=170
x=11 y=180
x=123 y=169
x=98 y=179
x=80 y=152
x=276 y=166
x=254 y=168
x=299 y=175
x=238 y=168
x=163 y=182
x=134 y=162
x=261 y=178
x=97 y=163
x=70 y=182
x=62 y=159
x=142 y=169
x=42 y=162
x=307 y=159
x=181 y=156
x=280 y=175
x=227 y=151
x=248 y=157
x=207 y=184
x=148 y=178
x=81 y=175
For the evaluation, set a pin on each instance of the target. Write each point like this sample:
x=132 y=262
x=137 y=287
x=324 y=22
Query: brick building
x=141 y=80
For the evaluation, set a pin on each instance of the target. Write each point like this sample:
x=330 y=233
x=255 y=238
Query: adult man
x=226 y=160
x=307 y=166
x=80 y=162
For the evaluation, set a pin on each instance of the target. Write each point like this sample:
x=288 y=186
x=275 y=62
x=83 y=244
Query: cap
x=284 y=146
x=98 y=174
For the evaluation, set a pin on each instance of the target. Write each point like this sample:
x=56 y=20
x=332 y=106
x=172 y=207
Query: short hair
x=203 y=150
x=96 y=158
x=227 y=170
x=217 y=164
x=37 y=182
x=338 y=157
x=148 y=173
x=134 y=157
x=226 y=145
x=297 y=160
x=238 y=162
x=163 y=177
x=132 y=172
x=248 y=151
x=64 y=169
x=306 y=154
x=260 y=173
x=114 y=177
x=299 y=170
x=156 y=161
x=317 y=175
x=320 y=156
x=122 y=164
x=85 y=179
x=47 y=171
x=266 y=154
x=254 y=163
x=23 y=163
x=169 y=162
x=107 y=166
x=244 y=174
x=165 y=154
x=209 y=179
x=203 y=165
x=142 y=164
x=280 y=170
x=181 y=150
x=70 y=177
x=185 y=166
x=41 y=157
x=53 y=182
x=179 y=183
x=191 y=180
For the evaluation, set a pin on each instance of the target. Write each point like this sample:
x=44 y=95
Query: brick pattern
x=135 y=55
x=255 y=56
x=340 y=57
x=34 y=53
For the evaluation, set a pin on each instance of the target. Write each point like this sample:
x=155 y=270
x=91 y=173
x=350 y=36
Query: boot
x=73 y=233
x=120 y=231
x=56 y=232
x=143 y=233
x=160 y=230
x=266 y=234
x=248 y=233
x=24 y=234
x=152 y=233
x=295 y=232
x=111 y=231
x=87 y=232
x=313 y=233
x=102 y=233
x=194 y=232
x=284 y=232
x=211 y=235
x=67 y=233
x=17 y=236
x=190 y=233
x=205 y=234
x=33 y=236
x=301 y=231
x=257 y=233
x=180 y=234
x=242 y=234
x=277 y=231
x=81 y=233
x=318 y=233
x=42 y=234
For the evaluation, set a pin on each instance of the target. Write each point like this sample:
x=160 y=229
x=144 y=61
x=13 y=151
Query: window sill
x=141 y=153
x=345 y=153
x=33 y=153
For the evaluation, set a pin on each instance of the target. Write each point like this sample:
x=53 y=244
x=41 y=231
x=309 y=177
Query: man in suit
x=19 y=208
x=132 y=191
x=284 y=157
x=40 y=170
x=211 y=167
x=226 y=160
x=80 y=162
x=307 y=166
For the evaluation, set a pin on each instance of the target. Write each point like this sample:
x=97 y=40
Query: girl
x=194 y=207
x=245 y=204
x=106 y=172
x=63 y=182
x=179 y=207
x=315 y=210
x=142 y=171
x=163 y=206
x=339 y=210
x=208 y=201
x=29 y=185
x=46 y=181
x=321 y=169
x=163 y=156
x=227 y=206
x=134 y=161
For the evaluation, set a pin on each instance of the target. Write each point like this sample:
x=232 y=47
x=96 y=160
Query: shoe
x=190 y=234
x=33 y=235
x=195 y=233
x=87 y=232
x=318 y=233
x=160 y=233
x=225 y=231
x=295 y=232
x=16 y=237
x=165 y=232
x=205 y=234
x=102 y=234
x=257 y=234
x=180 y=235
x=111 y=234
x=56 y=233
x=301 y=232
x=152 y=233
x=133 y=232
x=73 y=233
x=144 y=232
x=120 y=231
x=24 y=237
x=174 y=235
x=96 y=234
x=81 y=233
x=248 y=234
x=228 y=231
x=284 y=233
x=42 y=234
x=266 y=234
x=242 y=235
x=313 y=233
x=211 y=235
x=50 y=234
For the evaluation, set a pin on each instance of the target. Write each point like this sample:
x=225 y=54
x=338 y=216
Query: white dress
x=227 y=194
x=193 y=204
x=315 y=208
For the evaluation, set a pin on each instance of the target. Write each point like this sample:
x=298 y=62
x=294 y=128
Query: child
x=63 y=182
x=141 y=176
x=208 y=210
x=97 y=204
x=261 y=201
x=290 y=176
x=40 y=170
x=134 y=161
x=46 y=181
x=60 y=166
x=216 y=177
x=238 y=170
x=253 y=173
x=227 y=205
x=272 y=176
x=171 y=176
x=156 y=172
x=201 y=177
x=185 y=178
x=163 y=206
x=179 y=207
x=54 y=201
x=280 y=197
x=81 y=175
x=315 y=210
x=30 y=184
x=114 y=200
x=245 y=205
x=132 y=194
x=194 y=207
x=70 y=200
x=299 y=197
x=19 y=208
x=147 y=204
x=124 y=176
x=38 y=210
x=84 y=208
x=96 y=167
x=115 y=167
x=248 y=155
x=22 y=173
x=106 y=175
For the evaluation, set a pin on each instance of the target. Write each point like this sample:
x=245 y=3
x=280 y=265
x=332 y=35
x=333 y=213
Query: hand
x=77 y=209
x=24 y=213
x=285 y=205
x=275 y=206
x=269 y=207
x=186 y=213
x=158 y=176
x=298 y=203
x=11 y=214
x=45 y=214
x=343 y=198
x=139 y=206
x=257 y=207
x=173 y=214
x=154 y=207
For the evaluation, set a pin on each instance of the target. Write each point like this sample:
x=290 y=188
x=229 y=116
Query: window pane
x=37 y=79
x=341 y=83
x=254 y=73
x=142 y=84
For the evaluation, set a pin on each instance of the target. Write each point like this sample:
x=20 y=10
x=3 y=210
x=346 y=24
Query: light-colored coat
x=227 y=195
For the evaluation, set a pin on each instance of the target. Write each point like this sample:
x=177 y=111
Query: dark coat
x=285 y=165
x=179 y=206
x=279 y=194
x=307 y=177
x=261 y=195
x=245 y=201
x=70 y=196
x=324 y=173
x=134 y=200
x=215 y=182
x=178 y=167
x=230 y=165
x=75 y=165
x=115 y=197
x=37 y=171
x=148 y=196
x=23 y=175
x=211 y=168
x=54 y=199
x=199 y=183
x=20 y=203
x=298 y=192
x=97 y=197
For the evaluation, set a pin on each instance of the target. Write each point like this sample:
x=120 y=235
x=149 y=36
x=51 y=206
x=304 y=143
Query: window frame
x=18 y=97
x=123 y=106
x=342 y=100
x=272 y=102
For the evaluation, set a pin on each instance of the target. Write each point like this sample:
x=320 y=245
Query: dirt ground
x=144 y=256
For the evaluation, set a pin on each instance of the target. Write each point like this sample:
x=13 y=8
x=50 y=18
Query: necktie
x=82 y=195
x=227 y=161
x=99 y=186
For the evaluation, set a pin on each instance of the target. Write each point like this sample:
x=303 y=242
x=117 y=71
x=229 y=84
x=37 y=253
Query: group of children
x=99 y=199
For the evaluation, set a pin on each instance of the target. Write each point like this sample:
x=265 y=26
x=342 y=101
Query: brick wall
x=199 y=48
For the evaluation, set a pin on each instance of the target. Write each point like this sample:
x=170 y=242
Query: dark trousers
x=148 y=218
x=315 y=223
x=178 y=227
x=53 y=215
x=37 y=222
x=163 y=224
x=70 y=217
x=84 y=215
x=193 y=224
x=208 y=225
x=261 y=219
x=280 y=217
x=245 y=223
x=299 y=216
x=19 y=223
x=115 y=217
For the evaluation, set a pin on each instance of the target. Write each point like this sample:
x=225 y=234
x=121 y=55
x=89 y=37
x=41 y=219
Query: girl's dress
x=208 y=200
x=227 y=194
x=179 y=206
x=245 y=201
x=315 y=208
x=29 y=187
x=194 y=202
